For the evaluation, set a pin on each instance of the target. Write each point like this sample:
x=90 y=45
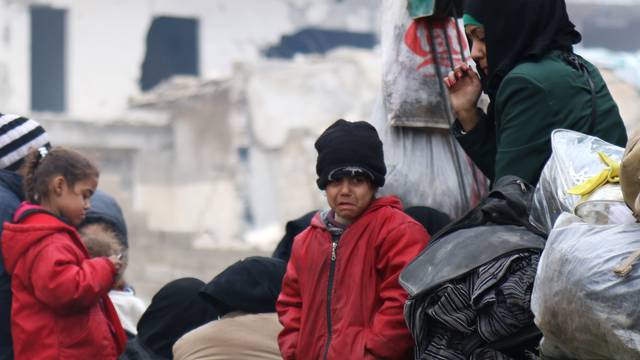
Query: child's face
x=72 y=203
x=349 y=197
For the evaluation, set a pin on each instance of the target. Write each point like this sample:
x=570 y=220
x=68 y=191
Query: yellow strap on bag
x=611 y=174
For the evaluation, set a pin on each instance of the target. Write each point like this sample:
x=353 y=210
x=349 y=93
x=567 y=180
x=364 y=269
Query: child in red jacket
x=60 y=306
x=340 y=296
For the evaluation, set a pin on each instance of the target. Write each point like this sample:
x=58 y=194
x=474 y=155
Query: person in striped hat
x=18 y=135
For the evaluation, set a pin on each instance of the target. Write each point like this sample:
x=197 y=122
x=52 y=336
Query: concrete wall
x=192 y=189
x=241 y=155
x=106 y=42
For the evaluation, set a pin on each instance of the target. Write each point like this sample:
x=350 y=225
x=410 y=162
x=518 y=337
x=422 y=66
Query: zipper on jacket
x=332 y=270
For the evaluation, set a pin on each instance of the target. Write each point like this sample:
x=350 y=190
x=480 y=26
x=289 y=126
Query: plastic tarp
x=584 y=309
x=575 y=159
x=435 y=266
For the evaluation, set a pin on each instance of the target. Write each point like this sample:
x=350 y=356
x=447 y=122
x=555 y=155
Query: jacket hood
x=251 y=285
x=31 y=224
x=12 y=181
x=390 y=201
x=105 y=209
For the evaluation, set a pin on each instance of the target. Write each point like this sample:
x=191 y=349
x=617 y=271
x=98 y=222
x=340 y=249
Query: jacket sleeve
x=62 y=283
x=289 y=307
x=479 y=143
x=389 y=337
x=526 y=117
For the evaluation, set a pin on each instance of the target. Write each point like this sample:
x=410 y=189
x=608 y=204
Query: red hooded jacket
x=60 y=307
x=350 y=306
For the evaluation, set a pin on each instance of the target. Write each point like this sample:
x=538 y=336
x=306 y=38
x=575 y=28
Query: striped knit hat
x=19 y=135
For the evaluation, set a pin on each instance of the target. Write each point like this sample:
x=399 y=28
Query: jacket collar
x=385 y=201
x=27 y=209
x=32 y=224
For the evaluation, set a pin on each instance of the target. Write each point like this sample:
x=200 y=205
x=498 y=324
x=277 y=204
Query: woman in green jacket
x=523 y=50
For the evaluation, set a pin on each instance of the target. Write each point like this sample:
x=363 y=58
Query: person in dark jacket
x=245 y=297
x=433 y=220
x=17 y=136
x=175 y=309
x=523 y=50
x=105 y=210
x=250 y=285
x=292 y=229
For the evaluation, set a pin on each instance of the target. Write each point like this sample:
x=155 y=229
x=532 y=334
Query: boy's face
x=349 y=197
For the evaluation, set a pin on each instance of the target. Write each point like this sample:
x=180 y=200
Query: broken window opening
x=319 y=41
x=48 y=47
x=172 y=49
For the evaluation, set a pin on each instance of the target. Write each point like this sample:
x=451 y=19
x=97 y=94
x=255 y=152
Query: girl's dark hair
x=38 y=170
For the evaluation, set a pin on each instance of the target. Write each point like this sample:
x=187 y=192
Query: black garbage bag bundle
x=470 y=289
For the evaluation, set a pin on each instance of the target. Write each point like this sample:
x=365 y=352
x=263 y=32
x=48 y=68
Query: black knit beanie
x=350 y=144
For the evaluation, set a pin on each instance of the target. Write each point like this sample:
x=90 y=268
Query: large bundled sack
x=426 y=166
x=578 y=160
x=584 y=303
x=470 y=289
x=416 y=54
x=630 y=174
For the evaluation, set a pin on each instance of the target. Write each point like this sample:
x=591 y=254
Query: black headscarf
x=175 y=309
x=519 y=30
x=251 y=285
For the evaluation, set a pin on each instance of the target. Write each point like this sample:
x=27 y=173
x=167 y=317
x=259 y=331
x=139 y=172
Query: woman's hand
x=464 y=91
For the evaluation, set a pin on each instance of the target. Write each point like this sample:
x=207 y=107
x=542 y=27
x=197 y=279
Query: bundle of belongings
x=588 y=280
x=581 y=177
x=470 y=289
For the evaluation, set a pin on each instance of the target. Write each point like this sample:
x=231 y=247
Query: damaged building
x=193 y=110
x=201 y=114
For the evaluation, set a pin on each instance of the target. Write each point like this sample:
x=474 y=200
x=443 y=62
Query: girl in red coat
x=340 y=296
x=60 y=306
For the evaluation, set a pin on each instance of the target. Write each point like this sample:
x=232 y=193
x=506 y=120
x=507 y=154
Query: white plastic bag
x=428 y=168
x=425 y=165
x=584 y=309
x=416 y=55
x=575 y=159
